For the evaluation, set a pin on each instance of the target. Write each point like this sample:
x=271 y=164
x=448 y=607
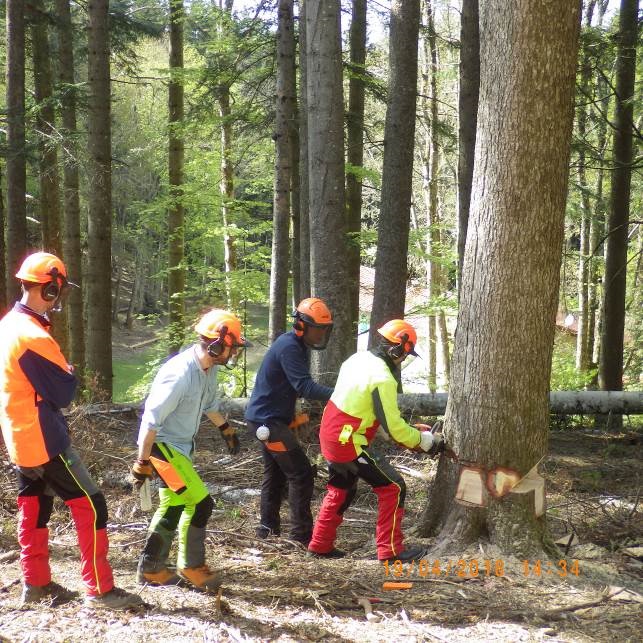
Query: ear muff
x=401 y=349
x=298 y=324
x=217 y=347
x=50 y=291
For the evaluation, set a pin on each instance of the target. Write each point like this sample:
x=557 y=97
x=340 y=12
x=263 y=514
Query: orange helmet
x=400 y=332
x=40 y=267
x=312 y=311
x=222 y=325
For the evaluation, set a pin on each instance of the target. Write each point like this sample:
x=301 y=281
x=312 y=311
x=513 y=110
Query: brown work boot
x=162 y=577
x=115 y=599
x=52 y=593
x=202 y=578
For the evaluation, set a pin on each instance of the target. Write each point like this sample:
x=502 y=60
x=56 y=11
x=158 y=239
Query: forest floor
x=273 y=591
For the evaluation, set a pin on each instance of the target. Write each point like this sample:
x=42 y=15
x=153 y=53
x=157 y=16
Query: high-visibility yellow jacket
x=35 y=383
x=364 y=398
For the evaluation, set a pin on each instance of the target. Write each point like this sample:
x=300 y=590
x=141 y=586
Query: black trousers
x=285 y=463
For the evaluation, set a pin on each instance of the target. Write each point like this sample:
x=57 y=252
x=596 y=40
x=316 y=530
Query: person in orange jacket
x=35 y=383
x=365 y=399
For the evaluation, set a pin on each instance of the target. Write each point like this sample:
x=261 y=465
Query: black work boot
x=52 y=592
x=263 y=532
x=333 y=553
x=409 y=554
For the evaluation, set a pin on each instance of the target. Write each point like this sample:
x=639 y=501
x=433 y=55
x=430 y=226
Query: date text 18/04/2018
x=473 y=568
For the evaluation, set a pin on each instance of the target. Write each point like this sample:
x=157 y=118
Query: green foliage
x=564 y=375
x=133 y=376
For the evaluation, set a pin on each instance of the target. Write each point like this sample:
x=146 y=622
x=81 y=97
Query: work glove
x=431 y=439
x=231 y=438
x=141 y=471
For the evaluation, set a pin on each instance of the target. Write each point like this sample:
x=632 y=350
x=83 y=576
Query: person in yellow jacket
x=364 y=399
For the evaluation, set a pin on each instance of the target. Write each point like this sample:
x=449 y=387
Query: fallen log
x=560 y=402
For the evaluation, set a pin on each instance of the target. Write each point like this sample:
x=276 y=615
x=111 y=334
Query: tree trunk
x=48 y=178
x=304 y=217
x=99 y=219
x=389 y=291
x=117 y=290
x=421 y=405
x=129 y=319
x=3 y=249
x=443 y=333
x=355 y=155
x=597 y=225
x=283 y=167
x=326 y=179
x=227 y=190
x=511 y=267
x=49 y=198
x=71 y=199
x=295 y=196
x=433 y=163
x=582 y=336
x=176 y=230
x=16 y=158
x=467 y=117
x=227 y=169
x=611 y=358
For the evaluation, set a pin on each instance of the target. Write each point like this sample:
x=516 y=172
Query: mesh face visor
x=317 y=336
x=65 y=290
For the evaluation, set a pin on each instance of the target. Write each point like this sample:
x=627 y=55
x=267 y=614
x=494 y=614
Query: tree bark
x=176 y=154
x=467 y=117
x=597 y=225
x=48 y=178
x=295 y=196
x=326 y=179
x=304 y=217
x=509 y=293
x=283 y=166
x=611 y=358
x=227 y=167
x=227 y=190
x=16 y=158
x=355 y=154
x=582 y=336
x=99 y=220
x=3 y=250
x=399 y=131
x=49 y=197
x=71 y=198
x=432 y=165
x=560 y=402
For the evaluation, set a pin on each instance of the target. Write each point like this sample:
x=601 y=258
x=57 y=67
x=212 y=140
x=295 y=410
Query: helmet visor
x=65 y=291
x=316 y=336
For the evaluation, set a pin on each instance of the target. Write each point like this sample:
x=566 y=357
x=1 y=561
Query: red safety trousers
x=390 y=489
x=66 y=476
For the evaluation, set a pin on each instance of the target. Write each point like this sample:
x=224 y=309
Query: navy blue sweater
x=284 y=375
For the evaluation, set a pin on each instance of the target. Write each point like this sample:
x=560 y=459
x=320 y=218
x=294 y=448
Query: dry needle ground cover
x=274 y=591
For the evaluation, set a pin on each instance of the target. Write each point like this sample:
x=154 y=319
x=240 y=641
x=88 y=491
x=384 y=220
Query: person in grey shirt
x=183 y=390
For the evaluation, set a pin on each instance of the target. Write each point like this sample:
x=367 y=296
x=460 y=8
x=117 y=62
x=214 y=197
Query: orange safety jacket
x=35 y=383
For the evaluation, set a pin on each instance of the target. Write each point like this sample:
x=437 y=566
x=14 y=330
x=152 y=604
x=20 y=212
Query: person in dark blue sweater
x=284 y=375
